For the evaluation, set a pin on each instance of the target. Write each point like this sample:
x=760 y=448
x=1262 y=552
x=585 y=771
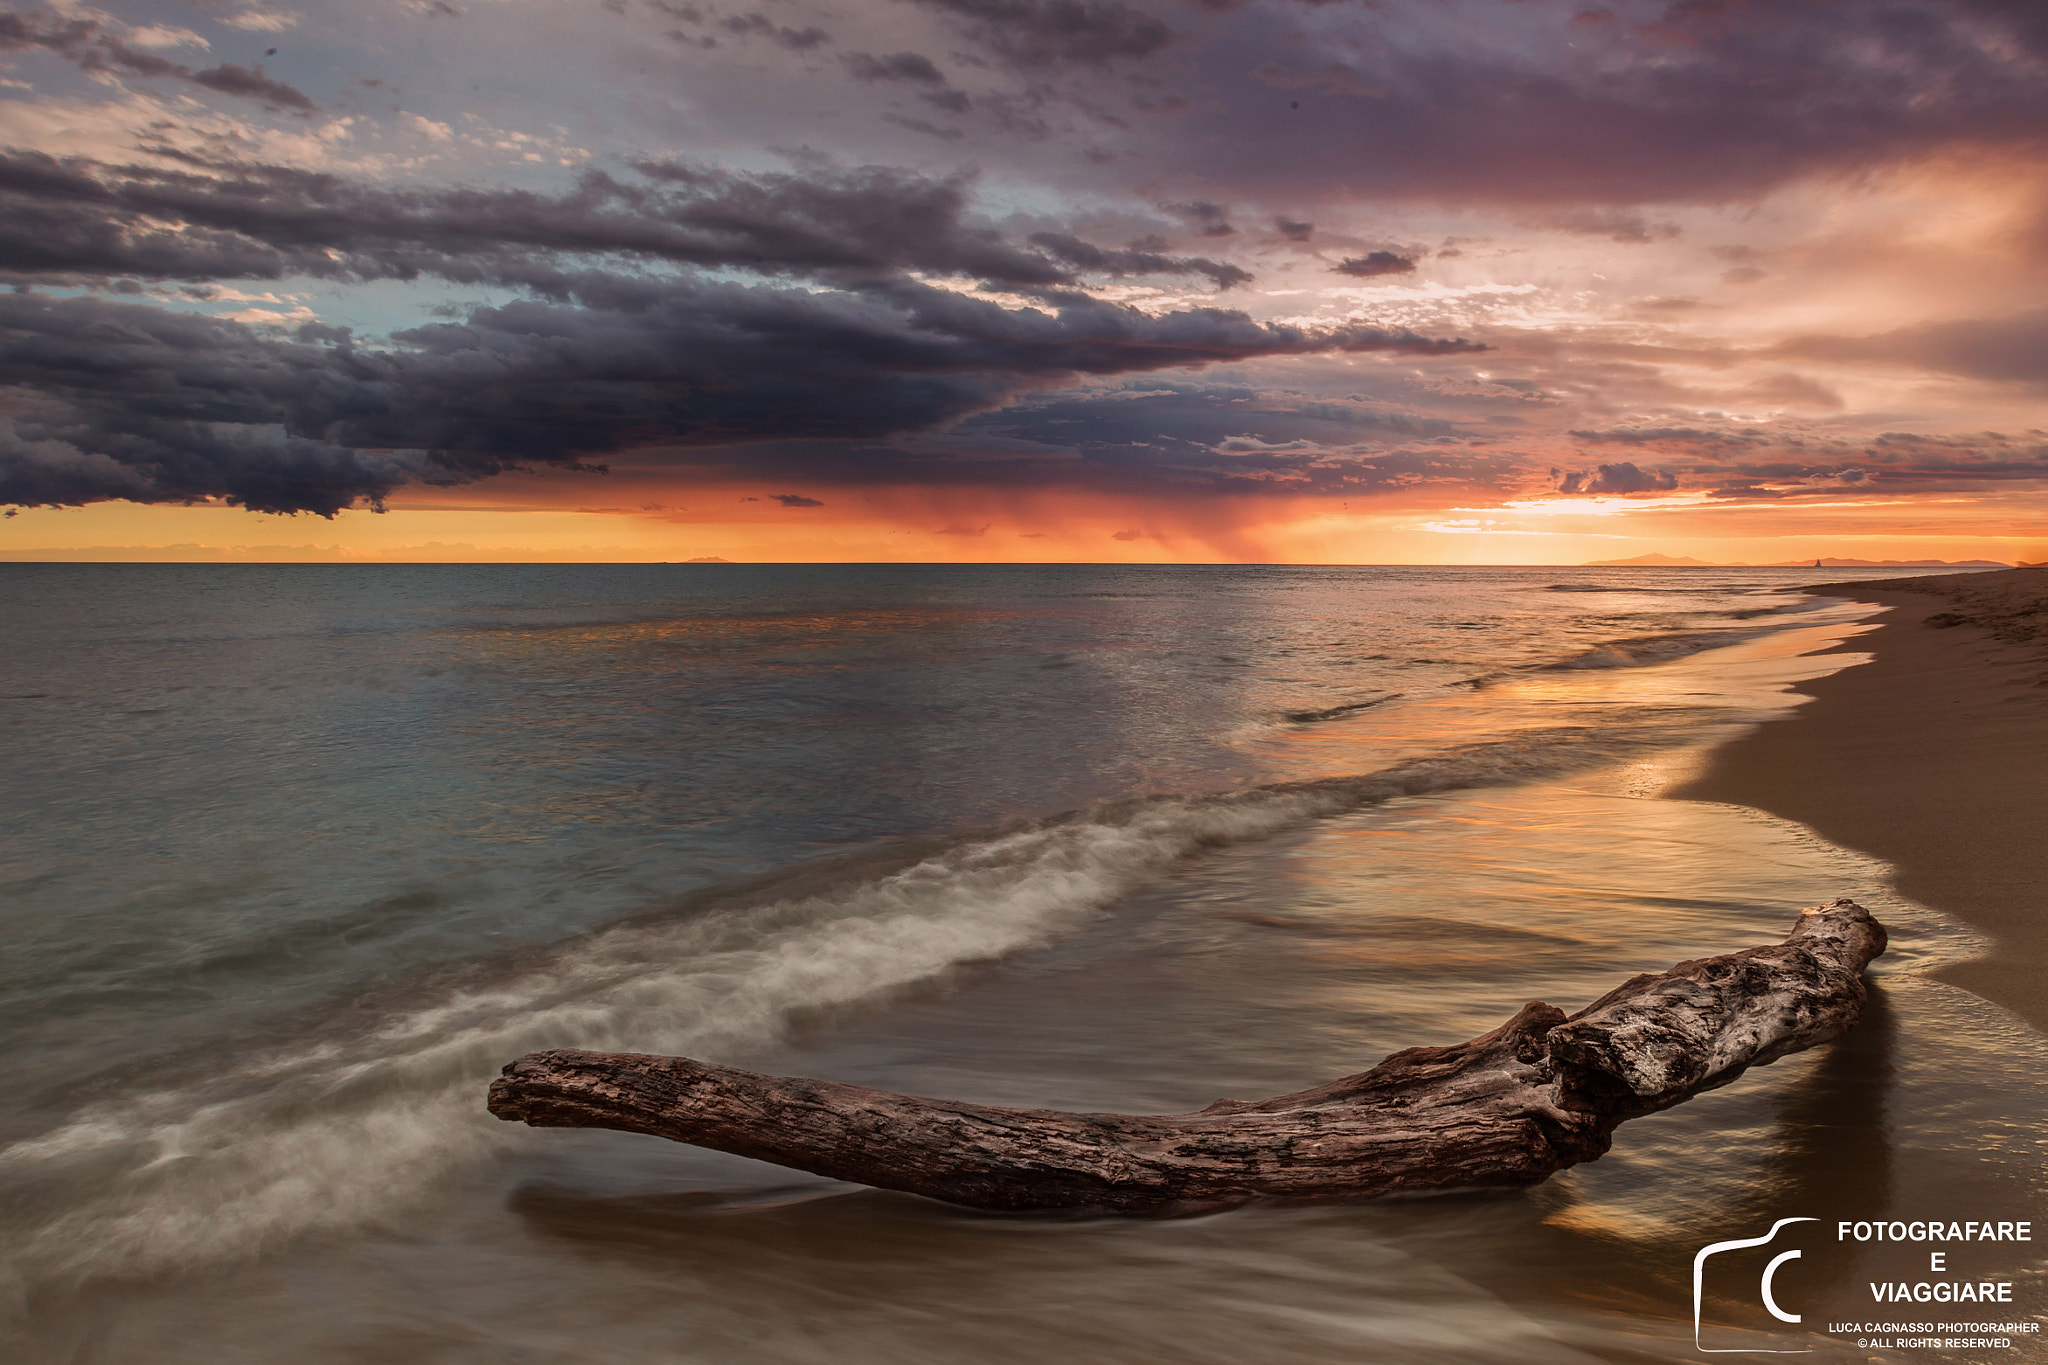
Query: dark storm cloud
x=1186 y=420
x=114 y=400
x=1321 y=474
x=1041 y=33
x=1202 y=217
x=79 y=219
x=1614 y=478
x=1375 y=263
x=84 y=43
x=1689 y=102
x=1151 y=471
x=916 y=69
x=757 y=24
x=249 y=82
x=896 y=66
x=1227 y=439
x=125 y=400
x=1085 y=257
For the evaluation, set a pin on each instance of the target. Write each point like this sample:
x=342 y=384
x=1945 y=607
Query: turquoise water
x=303 y=854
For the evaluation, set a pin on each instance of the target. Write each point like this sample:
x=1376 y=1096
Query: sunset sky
x=1415 y=281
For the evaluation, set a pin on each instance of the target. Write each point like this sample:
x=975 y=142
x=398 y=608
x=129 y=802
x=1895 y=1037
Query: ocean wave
x=1339 y=712
x=352 y=1132
x=1648 y=649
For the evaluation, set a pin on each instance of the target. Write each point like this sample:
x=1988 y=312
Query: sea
x=299 y=856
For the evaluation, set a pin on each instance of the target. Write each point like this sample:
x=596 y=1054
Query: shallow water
x=308 y=853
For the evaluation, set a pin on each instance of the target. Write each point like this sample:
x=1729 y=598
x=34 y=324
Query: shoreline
x=1932 y=756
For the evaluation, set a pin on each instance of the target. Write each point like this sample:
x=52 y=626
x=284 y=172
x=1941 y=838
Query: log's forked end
x=1662 y=1039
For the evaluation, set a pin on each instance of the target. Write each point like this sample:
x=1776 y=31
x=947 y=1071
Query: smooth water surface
x=303 y=854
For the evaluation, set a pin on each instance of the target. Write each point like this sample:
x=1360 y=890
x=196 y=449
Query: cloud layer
x=1658 y=252
x=126 y=400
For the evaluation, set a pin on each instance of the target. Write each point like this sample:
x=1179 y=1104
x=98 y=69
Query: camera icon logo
x=1770 y=1303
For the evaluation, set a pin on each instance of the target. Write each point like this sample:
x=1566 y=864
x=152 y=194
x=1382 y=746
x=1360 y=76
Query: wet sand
x=1932 y=757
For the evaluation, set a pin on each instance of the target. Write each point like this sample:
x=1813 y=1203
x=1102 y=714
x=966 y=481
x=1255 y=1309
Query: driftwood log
x=1542 y=1092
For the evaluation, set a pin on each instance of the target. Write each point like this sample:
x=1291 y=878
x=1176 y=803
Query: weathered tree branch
x=1542 y=1092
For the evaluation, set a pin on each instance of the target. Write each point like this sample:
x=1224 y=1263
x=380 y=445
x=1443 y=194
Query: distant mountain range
x=1653 y=562
x=1674 y=561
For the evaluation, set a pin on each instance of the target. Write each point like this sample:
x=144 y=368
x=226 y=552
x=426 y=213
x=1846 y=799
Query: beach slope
x=1934 y=757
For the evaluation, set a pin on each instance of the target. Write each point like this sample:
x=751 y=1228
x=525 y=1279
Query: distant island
x=1672 y=561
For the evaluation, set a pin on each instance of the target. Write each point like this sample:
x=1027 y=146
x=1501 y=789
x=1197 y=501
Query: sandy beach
x=1934 y=757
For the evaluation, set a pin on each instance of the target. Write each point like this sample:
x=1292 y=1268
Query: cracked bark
x=1542 y=1092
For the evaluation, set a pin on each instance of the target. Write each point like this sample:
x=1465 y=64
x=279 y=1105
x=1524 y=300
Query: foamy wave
x=347 y=1134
